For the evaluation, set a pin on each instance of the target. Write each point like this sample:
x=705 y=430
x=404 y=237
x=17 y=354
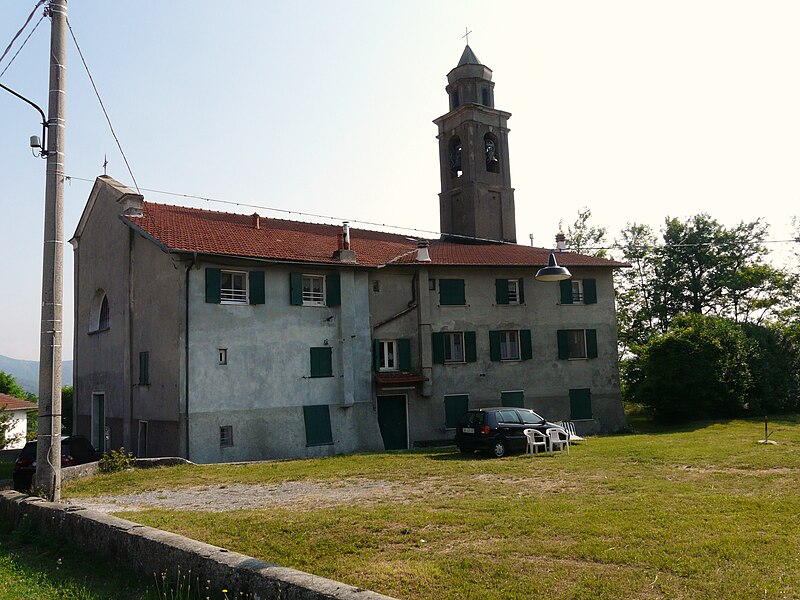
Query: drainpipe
x=186 y=353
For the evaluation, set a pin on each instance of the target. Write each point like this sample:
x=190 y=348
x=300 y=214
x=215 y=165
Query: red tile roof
x=11 y=403
x=184 y=229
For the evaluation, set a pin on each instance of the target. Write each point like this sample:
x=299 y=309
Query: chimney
x=422 y=251
x=346 y=235
x=256 y=221
x=344 y=253
x=561 y=242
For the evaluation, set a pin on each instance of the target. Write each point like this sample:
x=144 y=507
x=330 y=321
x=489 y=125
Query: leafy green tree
x=9 y=385
x=67 y=403
x=584 y=238
x=774 y=363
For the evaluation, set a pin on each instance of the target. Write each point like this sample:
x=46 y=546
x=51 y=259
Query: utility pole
x=48 y=451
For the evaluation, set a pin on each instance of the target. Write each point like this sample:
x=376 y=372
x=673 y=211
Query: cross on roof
x=466 y=35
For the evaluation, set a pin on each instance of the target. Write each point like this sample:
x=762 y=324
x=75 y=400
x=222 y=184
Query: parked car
x=499 y=430
x=75 y=450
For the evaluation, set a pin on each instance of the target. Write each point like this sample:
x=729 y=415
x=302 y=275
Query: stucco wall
x=18 y=429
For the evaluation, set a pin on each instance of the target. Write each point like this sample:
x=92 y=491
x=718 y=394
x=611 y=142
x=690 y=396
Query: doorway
x=393 y=422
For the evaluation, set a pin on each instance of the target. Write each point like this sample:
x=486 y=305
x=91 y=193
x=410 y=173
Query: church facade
x=226 y=337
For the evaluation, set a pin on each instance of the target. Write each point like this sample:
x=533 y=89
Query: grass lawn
x=700 y=512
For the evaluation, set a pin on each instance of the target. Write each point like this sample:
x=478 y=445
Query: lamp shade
x=552 y=272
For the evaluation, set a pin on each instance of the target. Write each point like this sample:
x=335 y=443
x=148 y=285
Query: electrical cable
x=3 y=72
x=100 y=100
x=28 y=20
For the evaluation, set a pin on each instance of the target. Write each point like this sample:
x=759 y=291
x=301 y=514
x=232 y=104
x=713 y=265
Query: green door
x=392 y=421
x=100 y=420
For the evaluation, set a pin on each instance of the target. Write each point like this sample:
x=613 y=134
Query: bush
x=116 y=460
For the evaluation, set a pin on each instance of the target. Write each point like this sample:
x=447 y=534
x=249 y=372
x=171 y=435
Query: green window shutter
x=470 y=347
x=521 y=290
x=318 y=425
x=296 y=289
x=333 y=290
x=494 y=345
x=256 y=287
x=563 y=345
x=580 y=404
x=451 y=292
x=591 y=343
x=144 y=368
x=525 y=345
x=566 y=291
x=590 y=291
x=404 y=349
x=321 y=362
x=501 y=291
x=437 y=342
x=513 y=399
x=454 y=407
x=376 y=355
x=212 y=285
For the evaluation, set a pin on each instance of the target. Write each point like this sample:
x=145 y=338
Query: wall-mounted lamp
x=35 y=142
x=552 y=272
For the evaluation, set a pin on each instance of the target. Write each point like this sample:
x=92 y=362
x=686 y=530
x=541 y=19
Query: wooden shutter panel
x=501 y=291
x=212 y=285
x=454 y=407
x=525 y=345
x=451 y=292
x=333 y=290
x=566 y=291
x=563 y=345
x=256 y=287
x=376 y=354
x=590 y=291
x=296 y=289
x=318 y=425
x=521 y=291
x=470 y=347
x=512 y=399
x=321 y=362
x=591 y=343
x=437 y=342
x=144 y=368
x=494 y=345
x=580 y=404
x=404 y=349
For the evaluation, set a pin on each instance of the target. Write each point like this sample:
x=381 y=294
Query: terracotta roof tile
x=186 y=229
x=11 y=403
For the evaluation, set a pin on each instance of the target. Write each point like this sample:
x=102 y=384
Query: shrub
x=116 y=460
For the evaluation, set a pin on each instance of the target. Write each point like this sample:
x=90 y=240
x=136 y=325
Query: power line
x=100 y=100
x=22 y=46
x=21 y=29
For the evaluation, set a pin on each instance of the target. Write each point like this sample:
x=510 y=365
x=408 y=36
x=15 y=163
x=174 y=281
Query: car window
x=471 y=419
x=530 y=418
x=508 y=416
x=29 y=451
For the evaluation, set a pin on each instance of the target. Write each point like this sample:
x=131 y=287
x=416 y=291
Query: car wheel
x=499 y=449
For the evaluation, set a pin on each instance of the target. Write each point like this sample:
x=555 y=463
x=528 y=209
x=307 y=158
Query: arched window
x=454 y=153
x=105 y=321
x=492 y=153
x=100 y=315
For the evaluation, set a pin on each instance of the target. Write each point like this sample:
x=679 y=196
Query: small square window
x=432 y=284
x=376 y=286
x=454 y=347
x=313 y=290
x=226 y=436
x=223 y=356
x=233 y=287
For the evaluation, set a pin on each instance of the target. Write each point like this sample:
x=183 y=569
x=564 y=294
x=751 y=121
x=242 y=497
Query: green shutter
x=580 y=404
x=376 y=355
x=212 y=285
x=521 y=290
x=296 y=289
x=566 y=291
x=513 y=399
x=321 y=362
x=494 y=345
x=590 y=291
x=437 y=342
x=563 y=344
x=404 y=349
x=501 y=291
x=525 y=345
x=318 y=425
x=591 y=343
x=470 y=347
x=333 y=290
x=454 y=407
x=256 y=287
x=451 y=292
x=144 y=368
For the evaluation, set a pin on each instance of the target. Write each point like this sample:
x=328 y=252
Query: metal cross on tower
x=466 y=34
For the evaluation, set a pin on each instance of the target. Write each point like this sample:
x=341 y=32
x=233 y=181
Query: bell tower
x=477 y=200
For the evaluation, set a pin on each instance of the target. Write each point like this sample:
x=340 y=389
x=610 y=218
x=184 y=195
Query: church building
x=227 y=337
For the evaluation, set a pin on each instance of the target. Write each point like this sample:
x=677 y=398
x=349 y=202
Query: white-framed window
x=233 y=287
x=509 y=345
x=513 y=291
x=313 y=290
x=222 y=356
x=388 y=355
x=226 y=436
x=454 y=347
x=576 y=343
x=577 y=291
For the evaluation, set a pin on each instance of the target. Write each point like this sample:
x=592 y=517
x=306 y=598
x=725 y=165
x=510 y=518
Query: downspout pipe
x=186 y=352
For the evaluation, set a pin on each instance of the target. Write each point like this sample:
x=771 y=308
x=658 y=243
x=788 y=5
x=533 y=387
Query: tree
x=67 y=399
x=9 y=385
x=583 y=238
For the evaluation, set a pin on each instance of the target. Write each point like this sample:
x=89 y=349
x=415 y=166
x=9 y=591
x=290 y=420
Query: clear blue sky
x=636 y=109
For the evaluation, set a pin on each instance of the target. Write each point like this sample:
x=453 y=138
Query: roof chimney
x=561 y=242
x=256 y=221
x=344 y=253
x=346 y=235
x=422 y=251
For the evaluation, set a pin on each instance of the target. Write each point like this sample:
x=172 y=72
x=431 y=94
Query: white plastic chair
x=569 y=426
x=558 y=438
x=535 y=439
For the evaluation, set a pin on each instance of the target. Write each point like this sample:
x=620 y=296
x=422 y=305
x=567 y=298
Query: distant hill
x=26 y=372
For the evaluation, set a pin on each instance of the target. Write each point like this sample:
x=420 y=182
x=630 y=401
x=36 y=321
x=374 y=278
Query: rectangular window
x=223 y=356
x=451 y=292
x=226 y=436
x=454 y=347
x=432 y=284
x=509 y=291
x=388 y=355
x=376 y=286
x=99 y=422
x=455 y=405
x=577 y=343
x=580 y=404
x=321 y=362
x=509 y=345
x=144 y=368
x=313 y=290
x=141 y=447
x=577 y=291
x=513 y=291
x=317 y=420
x=233 y=287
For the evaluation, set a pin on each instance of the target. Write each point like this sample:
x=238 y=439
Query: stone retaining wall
x=150 y=552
